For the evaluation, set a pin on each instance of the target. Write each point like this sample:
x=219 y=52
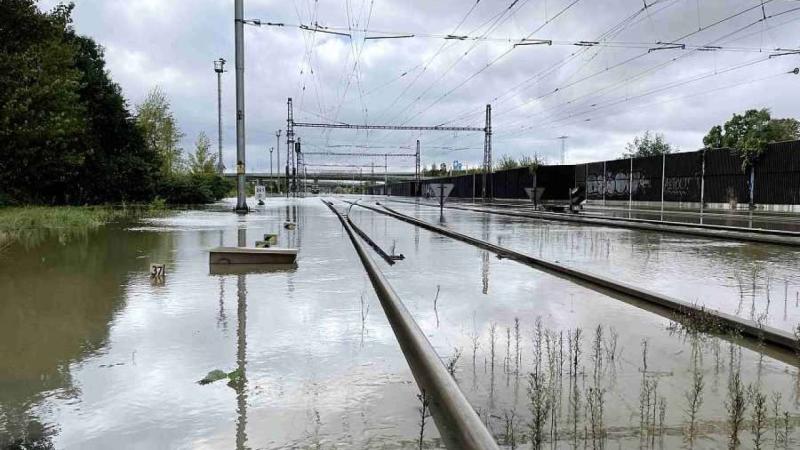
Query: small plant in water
x=694 y=398
x=452 y=362
x=424 y=413
x=510 y=437
x=539 y=406
x=595 y=401
x=758 y=423
x=735 y=405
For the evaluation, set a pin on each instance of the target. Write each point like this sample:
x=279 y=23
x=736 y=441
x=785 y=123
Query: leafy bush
x=189 y=189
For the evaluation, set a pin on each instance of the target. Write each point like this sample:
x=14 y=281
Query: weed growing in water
x=597 y=355
x=507 y=362
x=735 y=405
x=452 y=362
x=424 y=413
x=517 y=359
x=510 y=438
x=611 y=345
x=595 y=401
x=539 y=406
x=694 y=398
x=492 y=342
x=758 y=423
x=776 y=411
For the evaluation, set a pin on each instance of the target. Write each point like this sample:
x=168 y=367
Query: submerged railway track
x=779 y=344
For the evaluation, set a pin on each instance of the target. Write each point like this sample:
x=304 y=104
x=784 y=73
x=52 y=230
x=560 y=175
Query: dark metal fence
x=708 y=176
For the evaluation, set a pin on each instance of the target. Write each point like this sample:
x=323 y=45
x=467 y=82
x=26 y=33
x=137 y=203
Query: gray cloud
x=173 y=43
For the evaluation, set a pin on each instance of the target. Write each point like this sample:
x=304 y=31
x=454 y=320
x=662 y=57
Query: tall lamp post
x=270 y=160
x=219 y=68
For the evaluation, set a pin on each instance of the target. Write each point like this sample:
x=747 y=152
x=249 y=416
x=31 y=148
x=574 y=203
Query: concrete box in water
x=249 y=255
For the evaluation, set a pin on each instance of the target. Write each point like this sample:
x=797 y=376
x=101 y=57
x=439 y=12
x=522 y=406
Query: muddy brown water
x=93 y=354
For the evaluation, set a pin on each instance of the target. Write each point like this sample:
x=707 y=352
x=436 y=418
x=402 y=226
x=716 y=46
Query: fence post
x=605 y=183
x=630 y=188
x=663 y=181
x=702 y=186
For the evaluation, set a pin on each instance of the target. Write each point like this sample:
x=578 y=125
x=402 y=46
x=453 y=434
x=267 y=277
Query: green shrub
x=190 y=189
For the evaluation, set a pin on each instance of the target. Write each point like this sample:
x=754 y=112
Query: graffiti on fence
x=617 y=184
x=679 y=186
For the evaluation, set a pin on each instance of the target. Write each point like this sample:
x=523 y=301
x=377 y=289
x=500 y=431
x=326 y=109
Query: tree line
x=747 y=135
x=67 y=133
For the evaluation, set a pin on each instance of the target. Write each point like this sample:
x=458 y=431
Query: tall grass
x=32 y=224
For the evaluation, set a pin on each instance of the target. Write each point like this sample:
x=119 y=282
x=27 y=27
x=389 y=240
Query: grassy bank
x=33 y=223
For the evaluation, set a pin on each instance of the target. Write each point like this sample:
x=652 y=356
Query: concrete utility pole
x=241 y=202
x=219 y=68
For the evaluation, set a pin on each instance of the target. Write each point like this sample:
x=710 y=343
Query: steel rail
x=386 y=257
x=749 y=328
x=708 y=226
x=456 y=420
x=760 y=235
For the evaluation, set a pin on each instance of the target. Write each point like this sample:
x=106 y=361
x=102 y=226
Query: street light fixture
x=219 y=68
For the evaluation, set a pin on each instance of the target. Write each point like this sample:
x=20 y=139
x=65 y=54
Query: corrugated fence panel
x=725 y=182
x=581 y=175
x=777 y=177
x=556 y=181
x=647 y=179
x=595 y=181
x=682 y=181
x=617 y=179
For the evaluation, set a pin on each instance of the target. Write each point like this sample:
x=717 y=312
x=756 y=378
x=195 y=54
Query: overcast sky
x=600 y=96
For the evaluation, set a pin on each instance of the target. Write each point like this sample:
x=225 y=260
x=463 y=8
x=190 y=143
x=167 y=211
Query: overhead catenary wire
x=571 y=105
x=627 y=81
x=489 y=64
x=624 y=62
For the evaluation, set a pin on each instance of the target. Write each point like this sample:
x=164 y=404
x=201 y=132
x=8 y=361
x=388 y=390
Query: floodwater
x=755 y=281
x=733 y=218
x=94 y=354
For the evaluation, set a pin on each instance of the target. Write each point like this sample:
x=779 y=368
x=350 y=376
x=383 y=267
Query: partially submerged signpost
x=441 y=190
x=535 y=195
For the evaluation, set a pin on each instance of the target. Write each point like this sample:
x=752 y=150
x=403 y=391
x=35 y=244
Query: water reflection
x=45 y=327
x=241 y=363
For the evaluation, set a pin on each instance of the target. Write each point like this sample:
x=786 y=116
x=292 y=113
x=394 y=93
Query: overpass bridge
x=330 y=176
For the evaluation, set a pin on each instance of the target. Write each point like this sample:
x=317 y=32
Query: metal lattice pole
x=278 y=157
x=289 y=141
x=487 y=151
x=419 y=167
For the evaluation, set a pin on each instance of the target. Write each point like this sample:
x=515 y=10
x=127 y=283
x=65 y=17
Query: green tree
x=748 y=134
x=647 y=145
x=118 y=165
x=160 y=130
x=42 y=122
x=203 y=161
x=531 y=162
x=506 y=162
